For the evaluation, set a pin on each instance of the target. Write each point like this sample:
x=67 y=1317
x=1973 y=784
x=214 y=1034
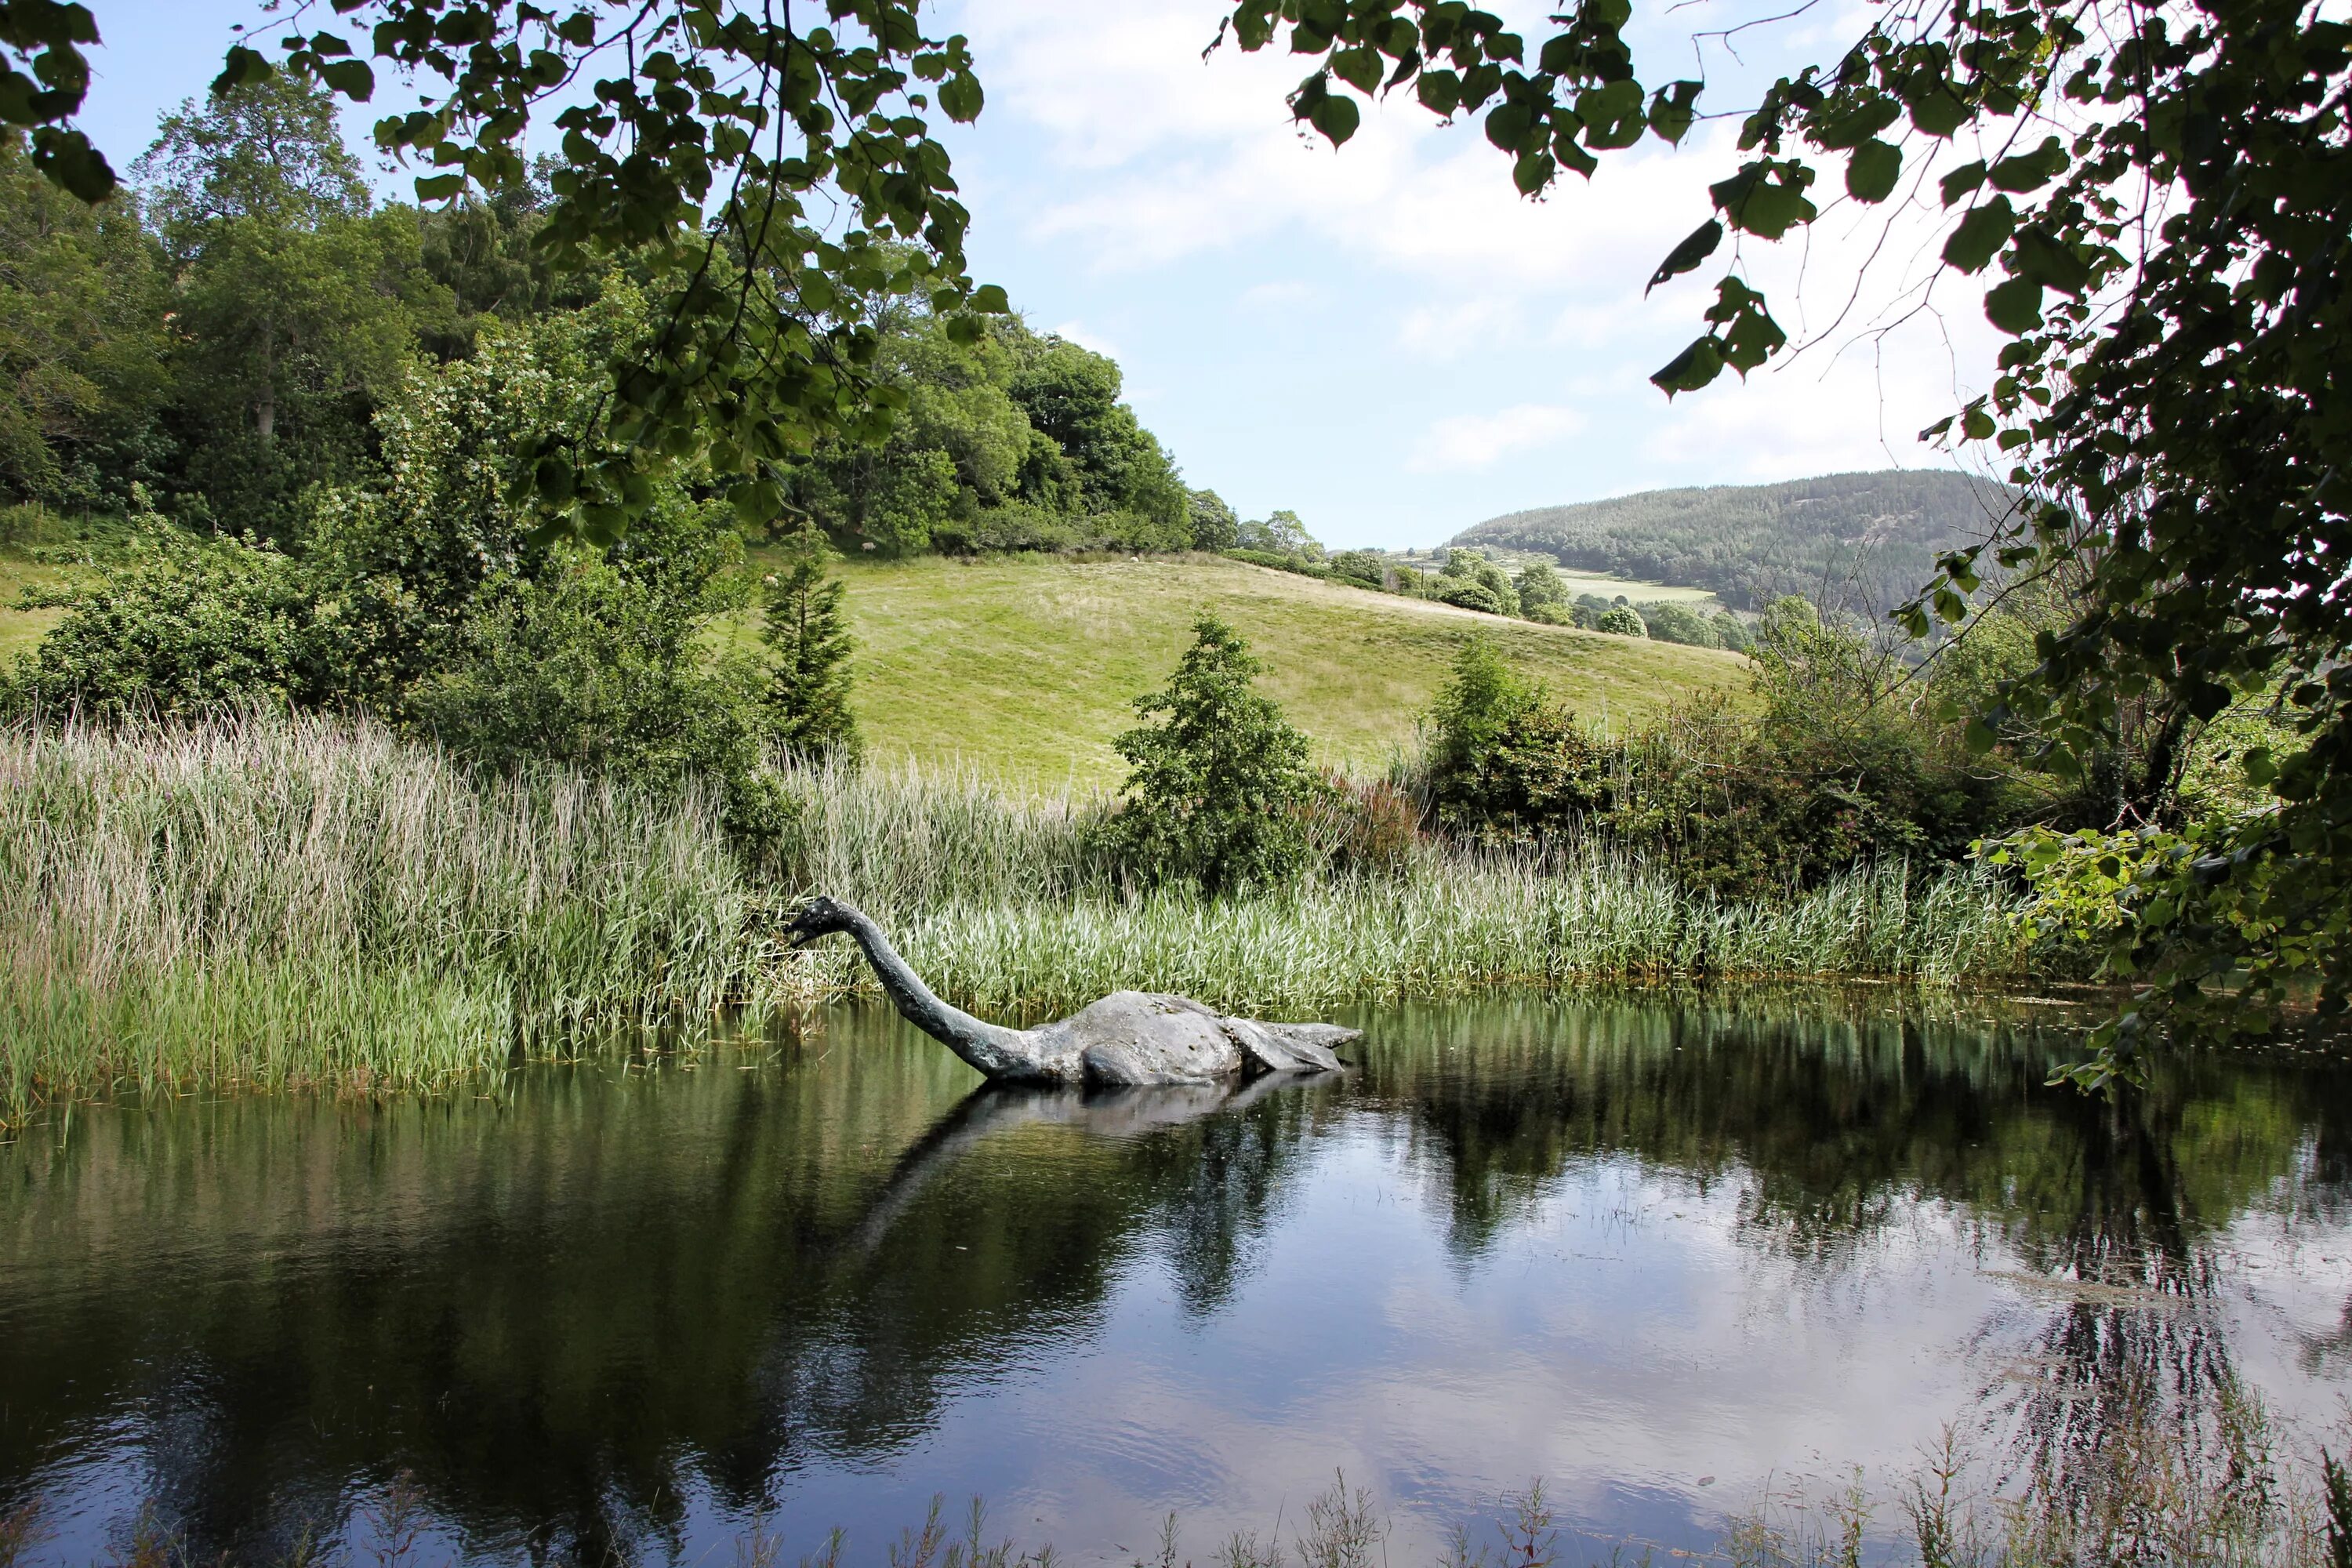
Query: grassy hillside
x=1869 y=539
x=1026 y=665
x=20 y=629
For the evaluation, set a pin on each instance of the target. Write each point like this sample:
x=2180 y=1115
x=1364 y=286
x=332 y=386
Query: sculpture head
x=819 y=916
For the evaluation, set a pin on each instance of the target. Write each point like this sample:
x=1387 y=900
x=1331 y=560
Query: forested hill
x=1867 y=539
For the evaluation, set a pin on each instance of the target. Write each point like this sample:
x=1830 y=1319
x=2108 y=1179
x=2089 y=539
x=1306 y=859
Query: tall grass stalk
x=998 y=903
x=286 y=902
x=305 y=903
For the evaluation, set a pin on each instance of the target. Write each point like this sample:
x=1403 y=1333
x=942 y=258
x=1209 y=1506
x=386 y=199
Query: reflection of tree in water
x=563 y=1319
x=1834 y=1126
x=567 y=1315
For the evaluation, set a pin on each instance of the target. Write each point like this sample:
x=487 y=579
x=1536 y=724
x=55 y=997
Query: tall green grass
x=290 y=902
x=284 y=902
x=997 y=902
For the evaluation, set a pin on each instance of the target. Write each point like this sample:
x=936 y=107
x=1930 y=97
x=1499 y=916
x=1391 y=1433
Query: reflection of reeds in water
x=284 y=902
x=2153 y=1503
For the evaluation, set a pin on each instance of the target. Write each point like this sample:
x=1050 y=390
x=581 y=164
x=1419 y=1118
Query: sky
x=1384 y=338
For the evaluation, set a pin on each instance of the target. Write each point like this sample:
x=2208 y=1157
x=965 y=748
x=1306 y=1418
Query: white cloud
x=1476 y=440
x=1152 y=179
x=1283 y=296
x=1085 y=337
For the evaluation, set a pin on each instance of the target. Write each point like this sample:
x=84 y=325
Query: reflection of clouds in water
x=1620 y=1360
x=1624 y=1248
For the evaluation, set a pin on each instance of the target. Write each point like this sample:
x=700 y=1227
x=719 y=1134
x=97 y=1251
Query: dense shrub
x=1815 y=779
x=1215 y=798
x=1678 y=624
x=1357 y=826
x=589 y=666
x=1466 y=593
x=1542 y=595
x=1621 y=620
x=182 y=627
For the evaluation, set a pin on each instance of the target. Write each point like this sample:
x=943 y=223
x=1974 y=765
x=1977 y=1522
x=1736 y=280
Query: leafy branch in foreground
x=2166 y=192
x=773 y=185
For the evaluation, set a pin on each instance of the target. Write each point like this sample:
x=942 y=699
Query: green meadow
x=1025 y=667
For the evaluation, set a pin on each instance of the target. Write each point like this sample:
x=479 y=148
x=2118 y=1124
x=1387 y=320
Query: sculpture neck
x=999 y=1052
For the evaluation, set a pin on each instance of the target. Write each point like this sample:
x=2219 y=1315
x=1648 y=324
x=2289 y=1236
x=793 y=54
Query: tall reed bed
x=998 y=902
x=299 y=902
x=288 y=903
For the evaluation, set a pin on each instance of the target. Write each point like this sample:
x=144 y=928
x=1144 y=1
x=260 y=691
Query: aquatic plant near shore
x=289 y=902
x=284 y=902
x=999 y=903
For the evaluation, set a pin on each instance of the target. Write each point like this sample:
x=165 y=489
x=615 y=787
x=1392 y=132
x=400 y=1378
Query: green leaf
x=241 y=67
x=1854 y=124
x=2015 y=306
x=433 y=187
x=2029 y=171
x=1360 y=67
x=1765 y=199
x=1691 y=369
x=1961 y=180
x=352 y=78
x=1753 y=337
x=1695 y=248
x=961 y=97
x=2050 y=262
x=556 y=480
x=1940 y=112
x=1870 y=172
x=70 y=162
x=1440 y=92
x=1980 y=235
x=1672 y=109
x=1977 y=425
x=990 y=300
x=1336 y=117
x=1611 y=114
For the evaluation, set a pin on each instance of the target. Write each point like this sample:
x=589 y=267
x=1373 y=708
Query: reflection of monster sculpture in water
x=1128 y=1038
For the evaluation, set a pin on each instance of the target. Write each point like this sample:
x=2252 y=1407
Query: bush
x=1467 y=593
x=1507 y=765
x=1358 y=826
x=1621 y=620
x=185 y=626
x=1676 y=624
x=1216 y=795
x=1747 y=804
x=590 y=667
x=1542 y=595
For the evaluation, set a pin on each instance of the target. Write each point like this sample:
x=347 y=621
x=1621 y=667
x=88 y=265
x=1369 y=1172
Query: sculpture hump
x=1136 y=1038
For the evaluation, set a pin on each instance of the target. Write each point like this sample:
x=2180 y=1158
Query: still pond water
x=1664 y=1254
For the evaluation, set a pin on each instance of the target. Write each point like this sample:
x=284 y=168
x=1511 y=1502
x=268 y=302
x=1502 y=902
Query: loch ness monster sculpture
x=1128 y=1038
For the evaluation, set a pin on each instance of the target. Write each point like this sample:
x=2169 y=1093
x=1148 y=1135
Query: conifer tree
x=1218 y=780
x=807 y=698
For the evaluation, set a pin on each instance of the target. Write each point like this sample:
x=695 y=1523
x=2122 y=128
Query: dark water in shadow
x=1655 y=1252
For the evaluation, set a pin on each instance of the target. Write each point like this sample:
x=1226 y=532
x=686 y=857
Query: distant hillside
x=1025 y=668
x=1869 y=541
